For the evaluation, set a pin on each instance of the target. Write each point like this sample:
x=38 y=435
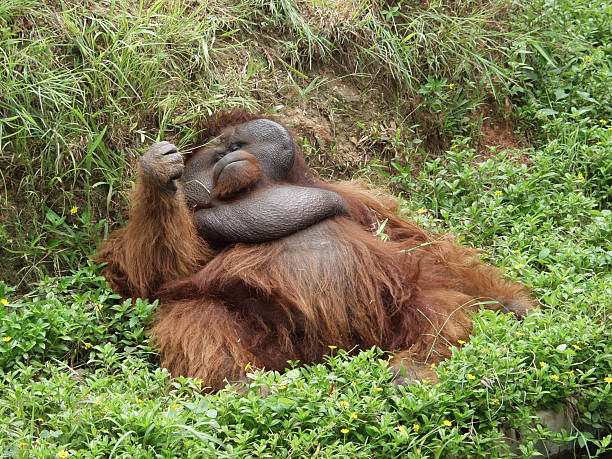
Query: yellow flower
x=282 y=387
x=433 y=366
x=378 y=389
x=498 y=192
x=422 y=210
x=175 y=406
x=332 y=347
x=97 y=403
x=446 y=372
x=603 y=121
x=571 y=373
x=98 y=307
x=588 y=58
x=599 y=143
x=344 y=403
x=344 y=431
x=575 y=346
x=247 y=367
x=451 y=86
x=555 y=377
x=6 y=339
x=138 y=400
x=87 y=345
x=447 y=423
x=454 y=146
x=608 y=379
x=470 y=376
x=63 y=453
x=543 y=364
x=4 y=302
x=74 y=210
x=515 y=251
x=580 y=176
x=495 y=401
x=425 y=381
x=460 y=341
x=519 y=266
x=510 y=313
x=353 y=416
x=22 y=444
x=416 y=427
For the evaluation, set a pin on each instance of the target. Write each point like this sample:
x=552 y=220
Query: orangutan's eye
x=234 y=147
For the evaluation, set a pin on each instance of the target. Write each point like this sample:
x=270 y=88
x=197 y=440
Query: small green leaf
x=293 y=374
x=546 y=112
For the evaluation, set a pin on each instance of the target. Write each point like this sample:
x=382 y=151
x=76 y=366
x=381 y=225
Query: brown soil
x=497 y=133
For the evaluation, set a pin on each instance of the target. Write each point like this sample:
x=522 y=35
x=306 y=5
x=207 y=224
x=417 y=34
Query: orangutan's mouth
x=231 y=162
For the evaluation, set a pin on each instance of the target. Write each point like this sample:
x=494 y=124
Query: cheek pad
x=271 y=144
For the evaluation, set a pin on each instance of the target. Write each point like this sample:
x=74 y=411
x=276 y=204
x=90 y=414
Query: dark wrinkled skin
x=271 y=209
x=268 y=214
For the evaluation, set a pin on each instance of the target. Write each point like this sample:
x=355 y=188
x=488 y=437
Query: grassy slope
x=84 y=91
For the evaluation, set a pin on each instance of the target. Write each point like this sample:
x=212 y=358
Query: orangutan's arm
x=159 y=243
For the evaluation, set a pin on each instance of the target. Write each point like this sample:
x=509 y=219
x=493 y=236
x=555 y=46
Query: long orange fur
x=264 y=304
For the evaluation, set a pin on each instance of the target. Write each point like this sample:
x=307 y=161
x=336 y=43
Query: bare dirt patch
x=497 y=133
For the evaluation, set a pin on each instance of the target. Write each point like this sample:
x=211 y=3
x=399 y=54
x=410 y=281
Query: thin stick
x=188 y=151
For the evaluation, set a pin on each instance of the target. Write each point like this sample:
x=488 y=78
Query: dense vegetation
x=84 y=87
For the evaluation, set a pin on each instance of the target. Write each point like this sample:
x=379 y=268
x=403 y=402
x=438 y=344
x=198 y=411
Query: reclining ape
x=255 y=262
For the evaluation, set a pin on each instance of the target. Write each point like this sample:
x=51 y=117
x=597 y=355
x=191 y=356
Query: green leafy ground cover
x=83 y=88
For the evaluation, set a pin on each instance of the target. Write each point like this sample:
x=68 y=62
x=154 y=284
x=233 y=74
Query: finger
x=172 y=158
x=175 y=172
x=162 y=148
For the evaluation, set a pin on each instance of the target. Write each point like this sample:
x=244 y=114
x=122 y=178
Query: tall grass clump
x=400 y=41
x=83 y=90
